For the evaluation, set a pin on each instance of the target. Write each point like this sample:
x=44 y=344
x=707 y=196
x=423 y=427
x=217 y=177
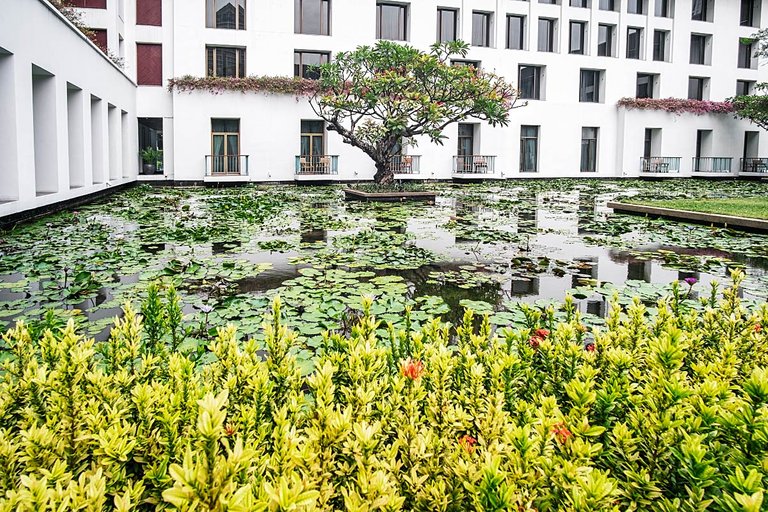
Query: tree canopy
x=381 y=97
x=754 y=107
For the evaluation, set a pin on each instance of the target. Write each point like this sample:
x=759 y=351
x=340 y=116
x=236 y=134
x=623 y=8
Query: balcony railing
x=405 y=164
x=754 y=165
x=712 y=164
x=474 y=164
x=317 y=165
x=660 y=164
x=226 y=165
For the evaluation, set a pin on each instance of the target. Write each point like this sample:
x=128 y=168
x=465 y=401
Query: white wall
x=45 y=119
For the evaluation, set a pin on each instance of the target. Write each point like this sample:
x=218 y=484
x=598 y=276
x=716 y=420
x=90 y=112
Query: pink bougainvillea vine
x=263 y=84
x=677 y=105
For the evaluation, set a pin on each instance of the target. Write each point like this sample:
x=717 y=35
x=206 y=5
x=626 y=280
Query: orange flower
x=468 y=443
x=758 y=327
x=229 y=430
x=412 y=369
x=542 y=333
x=534 y=341
x=561 y=432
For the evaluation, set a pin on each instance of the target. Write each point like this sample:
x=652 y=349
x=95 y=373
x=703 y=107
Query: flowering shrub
x=668 y=412
x=263 y=84
x=677 y=105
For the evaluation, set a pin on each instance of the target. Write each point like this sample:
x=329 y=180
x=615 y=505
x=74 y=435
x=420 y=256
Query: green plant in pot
x=151 y=157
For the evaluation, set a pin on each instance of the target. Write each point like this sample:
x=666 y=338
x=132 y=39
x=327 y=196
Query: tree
x=754 y=107
x=381 y=97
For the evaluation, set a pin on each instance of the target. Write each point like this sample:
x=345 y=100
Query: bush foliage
x=663 y=413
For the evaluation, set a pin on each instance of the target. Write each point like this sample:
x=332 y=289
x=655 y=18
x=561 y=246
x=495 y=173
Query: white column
x=61 y=133
x=46 y=143
x=25 y=130
x=99 y=152
x=76 y=137
x=113 y=140
x=9 y=174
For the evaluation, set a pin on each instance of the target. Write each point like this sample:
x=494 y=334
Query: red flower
x=542 y=333
x=468 y=442
x=412 y=369
x=590 y=347
x=561 y=432
x=758 y=327
x=229 y=430
x=534 y=341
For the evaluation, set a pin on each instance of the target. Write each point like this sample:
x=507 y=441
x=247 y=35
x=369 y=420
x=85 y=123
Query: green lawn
x=754 y=207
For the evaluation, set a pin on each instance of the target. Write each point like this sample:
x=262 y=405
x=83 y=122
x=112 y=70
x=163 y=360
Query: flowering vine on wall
x=677 y=105
x=264 y=84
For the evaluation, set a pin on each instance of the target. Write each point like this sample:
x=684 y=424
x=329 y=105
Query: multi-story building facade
x=572 y=61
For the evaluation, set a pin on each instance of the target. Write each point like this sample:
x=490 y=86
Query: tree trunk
x=384 y=174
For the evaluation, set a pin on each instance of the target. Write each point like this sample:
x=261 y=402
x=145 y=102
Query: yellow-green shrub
x=663 y=413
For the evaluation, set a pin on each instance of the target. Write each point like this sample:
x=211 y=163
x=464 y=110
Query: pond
x=486 y=246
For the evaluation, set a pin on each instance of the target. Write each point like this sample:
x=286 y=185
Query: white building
x=71 y=122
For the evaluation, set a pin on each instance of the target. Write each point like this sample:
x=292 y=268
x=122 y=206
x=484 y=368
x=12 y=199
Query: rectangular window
x=225 y=14
x=312 y=140
x=392 y=21
x=634 y=42
x=516 y=32
x=696 y=88
x=470 y=63
x=225 y=146
x=529 y=148
x=89 y=4
x=660 y=38
x=605 y=35
x=226 y=61
x=481 y=29
x=99 y=38
x=312 y=17
x=748 y=15
x=589 y=86
x=149 y=12
x=607 y=5
x=305 y=63
x=744 y=87
x=745 y=55
x=636 y=6
x=579 y=3
x=149 y=64
x=645 y=85
x=578 y=35
x=589 y=149
x=466 y=139
x=546 y=35
x=698 y=49
x=700 y=10
x=446 y=25
x=529 y=80
x=664 y=8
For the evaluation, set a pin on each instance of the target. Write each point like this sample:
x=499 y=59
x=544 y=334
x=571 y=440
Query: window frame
x=521 y=41
x=523 y=139
x=610 y=40
x=592 y=148
x=582 y=28
x=240 y=61
x=300 y=64
x=455 y=13
x=404 y=9
x=583 y=94
x=298 y=17
x=536 y=81
x=487 y=23
x=552 y=28
x=240 y=21
x=639 y=32
x=663 y=46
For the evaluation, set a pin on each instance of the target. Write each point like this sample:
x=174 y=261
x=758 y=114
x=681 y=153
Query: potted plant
x=151 y=157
